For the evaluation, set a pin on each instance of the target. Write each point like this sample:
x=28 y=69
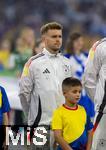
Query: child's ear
x=64 y=93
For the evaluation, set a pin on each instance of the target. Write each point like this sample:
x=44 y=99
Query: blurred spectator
x=74 y=51
x=23 y=48
x=38 y=47
x=6 y=58
x=27 y=36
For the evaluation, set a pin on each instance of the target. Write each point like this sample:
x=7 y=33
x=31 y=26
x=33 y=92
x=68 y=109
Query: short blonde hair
x=49 y=26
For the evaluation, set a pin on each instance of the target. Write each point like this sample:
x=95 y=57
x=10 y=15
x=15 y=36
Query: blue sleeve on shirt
x=5 y=102
x=89 y=124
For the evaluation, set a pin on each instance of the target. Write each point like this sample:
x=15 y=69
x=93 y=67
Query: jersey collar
x=46 y=52
x=69 y=108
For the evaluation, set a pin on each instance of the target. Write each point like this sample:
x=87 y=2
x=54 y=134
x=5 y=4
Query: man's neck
x=52 y=51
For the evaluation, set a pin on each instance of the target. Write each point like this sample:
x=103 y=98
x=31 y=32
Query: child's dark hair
x=70 y=82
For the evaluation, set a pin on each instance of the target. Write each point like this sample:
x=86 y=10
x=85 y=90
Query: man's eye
x=54 y=36
x=74 y=92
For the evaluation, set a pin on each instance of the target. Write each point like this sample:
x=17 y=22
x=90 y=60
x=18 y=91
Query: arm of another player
x=92 y=68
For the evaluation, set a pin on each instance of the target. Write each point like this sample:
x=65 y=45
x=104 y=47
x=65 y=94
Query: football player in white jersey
x=94 y=81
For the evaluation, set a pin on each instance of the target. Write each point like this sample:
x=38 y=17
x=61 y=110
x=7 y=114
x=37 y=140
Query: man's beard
x=55 y=49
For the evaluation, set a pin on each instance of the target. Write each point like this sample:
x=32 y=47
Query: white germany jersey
x=41 y=86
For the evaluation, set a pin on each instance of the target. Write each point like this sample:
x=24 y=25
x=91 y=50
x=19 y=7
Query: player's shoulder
x=102 y=45
x=81 y=108
x=58 y=110
x=97 y=48
x=31 y=64
x=34 y=58
x=102 y=41
x=99 y=44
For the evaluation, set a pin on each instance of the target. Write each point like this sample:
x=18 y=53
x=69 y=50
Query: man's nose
x=57 y=39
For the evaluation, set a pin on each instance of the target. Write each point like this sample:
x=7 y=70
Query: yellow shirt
x=71 y=122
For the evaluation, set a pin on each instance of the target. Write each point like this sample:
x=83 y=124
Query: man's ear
x=43 y=38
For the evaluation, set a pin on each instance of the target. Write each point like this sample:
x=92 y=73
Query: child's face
x=73 y=94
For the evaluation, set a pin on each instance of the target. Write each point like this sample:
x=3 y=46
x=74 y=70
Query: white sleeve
x=92 y=68
x=26 y=86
